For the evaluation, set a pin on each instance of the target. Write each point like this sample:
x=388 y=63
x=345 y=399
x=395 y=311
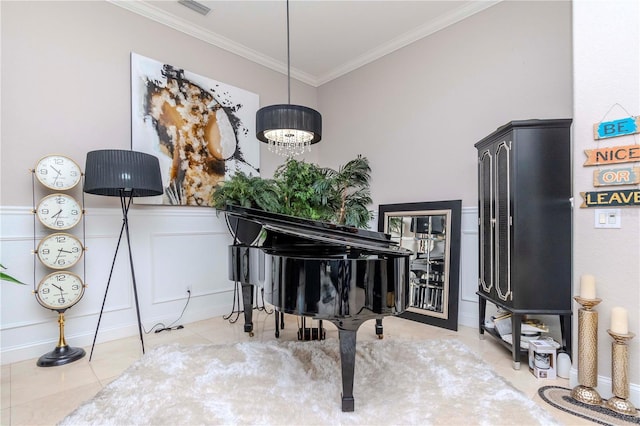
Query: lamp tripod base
x=61 y=355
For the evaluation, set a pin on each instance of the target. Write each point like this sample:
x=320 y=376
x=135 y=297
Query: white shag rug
x=397 y=382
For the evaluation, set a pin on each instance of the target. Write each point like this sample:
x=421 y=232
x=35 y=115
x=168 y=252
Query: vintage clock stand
x=59 y=251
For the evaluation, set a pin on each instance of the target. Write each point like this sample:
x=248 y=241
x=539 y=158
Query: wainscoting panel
x=194 y=261
x=468 y=301
x=98 y=259
x=173 y=248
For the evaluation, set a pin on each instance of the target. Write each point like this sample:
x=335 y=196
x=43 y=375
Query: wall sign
x=612 y=155
x=622 y=176
x=611 y=129
x=629 y=125
x=627 y=197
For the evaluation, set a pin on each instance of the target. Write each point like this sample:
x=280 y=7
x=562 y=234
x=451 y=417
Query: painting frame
x=201 y=130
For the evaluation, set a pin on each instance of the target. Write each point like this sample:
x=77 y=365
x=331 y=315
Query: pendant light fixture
x=289 y=130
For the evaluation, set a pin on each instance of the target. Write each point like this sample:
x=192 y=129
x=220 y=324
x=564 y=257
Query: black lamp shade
x=287 y=116
x=114 y=172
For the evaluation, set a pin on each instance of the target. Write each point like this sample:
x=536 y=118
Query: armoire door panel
x=485 y=175
x=503 y=222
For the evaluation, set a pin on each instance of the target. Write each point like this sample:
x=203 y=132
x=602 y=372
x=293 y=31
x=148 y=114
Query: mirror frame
x=454 y=209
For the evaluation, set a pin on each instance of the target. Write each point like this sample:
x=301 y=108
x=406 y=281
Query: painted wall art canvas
x=201 y=130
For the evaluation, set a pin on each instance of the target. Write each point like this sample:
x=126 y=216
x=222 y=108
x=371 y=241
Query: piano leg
x=348 y=362
x=247 y=306
x=379 y=331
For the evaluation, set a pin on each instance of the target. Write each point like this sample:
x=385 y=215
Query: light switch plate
x=607 y=218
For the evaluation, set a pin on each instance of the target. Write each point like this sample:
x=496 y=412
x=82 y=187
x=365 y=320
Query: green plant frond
x=328 y=174
x=323 y=185
x=358 y=216
x=358 y=168
x=360 y=196
x=246 y=191
x=9 y=278
x=356 y=171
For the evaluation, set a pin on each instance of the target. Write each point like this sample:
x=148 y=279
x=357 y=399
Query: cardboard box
x=542 y=359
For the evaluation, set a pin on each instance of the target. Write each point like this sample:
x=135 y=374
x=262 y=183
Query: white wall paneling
x=172 y=248
x=188 y=261
x=468 y=308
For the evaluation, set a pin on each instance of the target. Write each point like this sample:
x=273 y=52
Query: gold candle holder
x=587 y=353
x=620 y=374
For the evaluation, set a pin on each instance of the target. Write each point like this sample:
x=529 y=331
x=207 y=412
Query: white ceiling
x=328 y=38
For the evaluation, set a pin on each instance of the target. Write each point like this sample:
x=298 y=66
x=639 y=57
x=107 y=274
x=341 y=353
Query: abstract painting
x=201 y=130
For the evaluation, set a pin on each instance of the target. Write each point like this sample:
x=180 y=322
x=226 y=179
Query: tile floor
x=34 y=395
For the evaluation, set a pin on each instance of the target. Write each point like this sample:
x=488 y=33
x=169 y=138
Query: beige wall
x=416 y=113
x=66 y=81
x=607 y=72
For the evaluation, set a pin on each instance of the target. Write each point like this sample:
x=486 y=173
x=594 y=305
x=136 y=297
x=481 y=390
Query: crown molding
x=156 y=14
x=409 y=37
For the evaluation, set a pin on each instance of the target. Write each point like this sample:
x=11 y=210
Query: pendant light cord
x=288 y=59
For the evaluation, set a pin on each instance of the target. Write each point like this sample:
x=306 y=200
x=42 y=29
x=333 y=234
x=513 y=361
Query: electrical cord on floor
x=236 y=301
x=171 y=326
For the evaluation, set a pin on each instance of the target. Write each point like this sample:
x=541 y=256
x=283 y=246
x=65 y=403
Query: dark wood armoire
x=524 y=209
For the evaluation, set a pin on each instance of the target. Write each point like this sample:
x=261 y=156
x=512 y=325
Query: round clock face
x=58 y=172
x=59 y=211
x=59 y=251
x=60 y=290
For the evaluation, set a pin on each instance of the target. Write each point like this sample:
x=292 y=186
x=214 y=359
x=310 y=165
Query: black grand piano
x=321 y=270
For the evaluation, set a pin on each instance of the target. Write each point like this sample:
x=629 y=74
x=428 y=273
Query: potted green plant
x=305 y=190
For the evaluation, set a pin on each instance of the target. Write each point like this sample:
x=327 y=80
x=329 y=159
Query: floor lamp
x=123 y=174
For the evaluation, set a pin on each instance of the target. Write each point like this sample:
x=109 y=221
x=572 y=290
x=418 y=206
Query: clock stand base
x=61 y=355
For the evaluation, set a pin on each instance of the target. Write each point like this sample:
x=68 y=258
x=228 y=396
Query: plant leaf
x=6 y=277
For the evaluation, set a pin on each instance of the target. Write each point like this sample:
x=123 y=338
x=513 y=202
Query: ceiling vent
x=195 y=6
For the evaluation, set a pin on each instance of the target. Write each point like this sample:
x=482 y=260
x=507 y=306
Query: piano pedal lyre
x=311 y=333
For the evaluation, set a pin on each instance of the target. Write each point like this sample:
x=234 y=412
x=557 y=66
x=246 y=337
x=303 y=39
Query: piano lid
x=319 y=231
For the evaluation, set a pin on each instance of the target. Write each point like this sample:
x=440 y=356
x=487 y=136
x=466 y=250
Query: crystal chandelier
x=289 y=130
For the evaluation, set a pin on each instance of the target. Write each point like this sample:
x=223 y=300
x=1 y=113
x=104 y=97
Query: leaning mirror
x=431 y=230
